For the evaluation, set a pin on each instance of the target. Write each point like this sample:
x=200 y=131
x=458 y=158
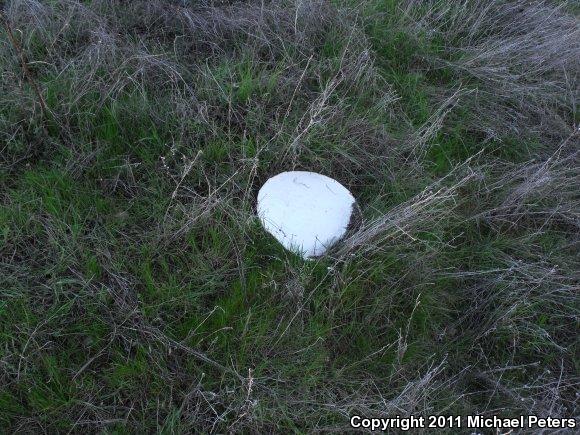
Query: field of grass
x=138 y=291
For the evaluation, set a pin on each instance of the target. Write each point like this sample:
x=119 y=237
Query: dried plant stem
x=24 y=62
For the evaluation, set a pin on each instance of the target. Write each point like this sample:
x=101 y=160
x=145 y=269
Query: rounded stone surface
x=305 y=211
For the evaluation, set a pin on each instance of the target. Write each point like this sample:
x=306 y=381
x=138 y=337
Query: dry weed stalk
x=24 y=64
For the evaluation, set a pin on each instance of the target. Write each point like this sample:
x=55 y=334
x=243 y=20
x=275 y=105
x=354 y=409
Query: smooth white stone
x=305 y=211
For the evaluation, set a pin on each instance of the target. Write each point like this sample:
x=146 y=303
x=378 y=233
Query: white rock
x=305 y=211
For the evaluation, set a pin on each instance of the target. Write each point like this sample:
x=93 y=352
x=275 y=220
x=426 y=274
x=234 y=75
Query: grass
x=139 y=292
